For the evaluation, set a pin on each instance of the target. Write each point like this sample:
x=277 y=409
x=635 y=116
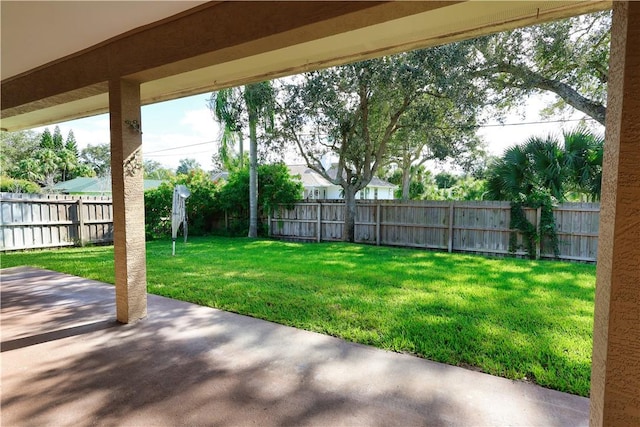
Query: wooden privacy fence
x=478 y=227
x=32 y=221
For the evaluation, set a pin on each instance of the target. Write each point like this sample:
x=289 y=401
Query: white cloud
x=201 y=123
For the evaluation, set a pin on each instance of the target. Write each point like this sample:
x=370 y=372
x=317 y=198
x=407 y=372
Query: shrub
x=201 y=205
x=12 y=185
x=275 y=187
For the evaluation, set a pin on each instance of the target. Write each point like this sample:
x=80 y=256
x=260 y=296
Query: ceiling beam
x=220 y=44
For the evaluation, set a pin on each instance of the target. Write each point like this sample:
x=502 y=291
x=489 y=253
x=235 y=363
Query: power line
x=180 y=147
x=173 y=155
x=535 y=123
x=153 y=153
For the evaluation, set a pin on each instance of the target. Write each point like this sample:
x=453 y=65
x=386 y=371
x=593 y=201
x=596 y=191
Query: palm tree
x=253 y=104
x=29 y=169
x=49 y=161
x=227 y=110
x=583 y=157
x=544 y=165
x=510 y=177
x=67 y=163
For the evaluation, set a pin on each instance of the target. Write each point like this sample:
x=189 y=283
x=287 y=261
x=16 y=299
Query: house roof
x=309 y=177
x=86 y=185
x=375 y=181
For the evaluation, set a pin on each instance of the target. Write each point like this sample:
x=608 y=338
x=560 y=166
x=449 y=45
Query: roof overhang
x=221 y=44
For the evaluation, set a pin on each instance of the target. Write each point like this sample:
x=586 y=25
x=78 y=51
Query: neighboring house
x=318 y=187
x=96 y=186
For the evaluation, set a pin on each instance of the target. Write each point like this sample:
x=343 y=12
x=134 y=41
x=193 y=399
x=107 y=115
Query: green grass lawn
x=520 y=319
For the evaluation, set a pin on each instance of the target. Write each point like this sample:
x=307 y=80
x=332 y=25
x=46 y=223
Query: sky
x=184 y=128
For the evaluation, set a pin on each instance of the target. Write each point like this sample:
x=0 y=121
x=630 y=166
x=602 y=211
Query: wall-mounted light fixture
x=134 y=125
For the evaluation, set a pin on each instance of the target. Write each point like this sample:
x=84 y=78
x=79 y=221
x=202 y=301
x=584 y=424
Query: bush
x=201 y=205
x=275 y=187
x=12 y=185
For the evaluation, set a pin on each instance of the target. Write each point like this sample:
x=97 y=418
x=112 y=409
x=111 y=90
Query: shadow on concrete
x=192 y=365
x=56 y=335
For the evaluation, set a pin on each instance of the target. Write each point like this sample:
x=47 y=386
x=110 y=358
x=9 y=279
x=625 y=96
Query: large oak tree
x=356 y=112
x=568 y=58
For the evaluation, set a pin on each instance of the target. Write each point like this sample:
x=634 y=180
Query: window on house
x=375 y=193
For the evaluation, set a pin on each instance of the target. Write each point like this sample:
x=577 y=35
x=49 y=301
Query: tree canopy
x=41 y=158
x=187 y=166
x=569 y=58
x=362 y=112
x=155 y=170
x=98 y=158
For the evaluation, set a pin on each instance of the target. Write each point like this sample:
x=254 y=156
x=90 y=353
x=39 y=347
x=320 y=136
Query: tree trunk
x=406 y=183
x=253 y=179
x=241 y=149
x=348 y=232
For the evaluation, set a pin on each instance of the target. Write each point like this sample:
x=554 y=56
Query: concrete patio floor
x=66 y=362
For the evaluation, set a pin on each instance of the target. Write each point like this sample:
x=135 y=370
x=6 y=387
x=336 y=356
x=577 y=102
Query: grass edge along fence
x=481 y=227
x=33 y=221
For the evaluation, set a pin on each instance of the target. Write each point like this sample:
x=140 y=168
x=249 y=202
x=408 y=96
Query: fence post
x=269 y=233
x=450 y=245
x=319 y=224
x=539 y=239
x=378 y=224
x=81 y=221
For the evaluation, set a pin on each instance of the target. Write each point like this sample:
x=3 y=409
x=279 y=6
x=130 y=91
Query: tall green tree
x=568 y=58
x=71 y=144
x=187 y=166
x=155 y=170
x=56 y=138
x=226 y=106
x=67 y=163
x=49 y=165
x=436 y=128
x=98 y=158
x=250 y=106
x=46 y=140
x=356 y=112
x=16 y=147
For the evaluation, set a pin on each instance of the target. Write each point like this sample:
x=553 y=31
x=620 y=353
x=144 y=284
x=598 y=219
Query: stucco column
x=615 y=378
x=128 y=201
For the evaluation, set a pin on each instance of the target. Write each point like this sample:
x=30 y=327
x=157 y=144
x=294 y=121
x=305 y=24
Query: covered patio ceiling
x=176 y=49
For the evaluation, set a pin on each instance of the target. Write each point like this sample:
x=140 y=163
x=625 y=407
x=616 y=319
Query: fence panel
x=482 y=227
x=577 y=231
x=30 y=221
x=475 y=226
x=33 y=221
x=421 y=225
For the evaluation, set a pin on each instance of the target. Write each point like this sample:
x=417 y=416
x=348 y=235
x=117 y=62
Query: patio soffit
x=58 y=57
